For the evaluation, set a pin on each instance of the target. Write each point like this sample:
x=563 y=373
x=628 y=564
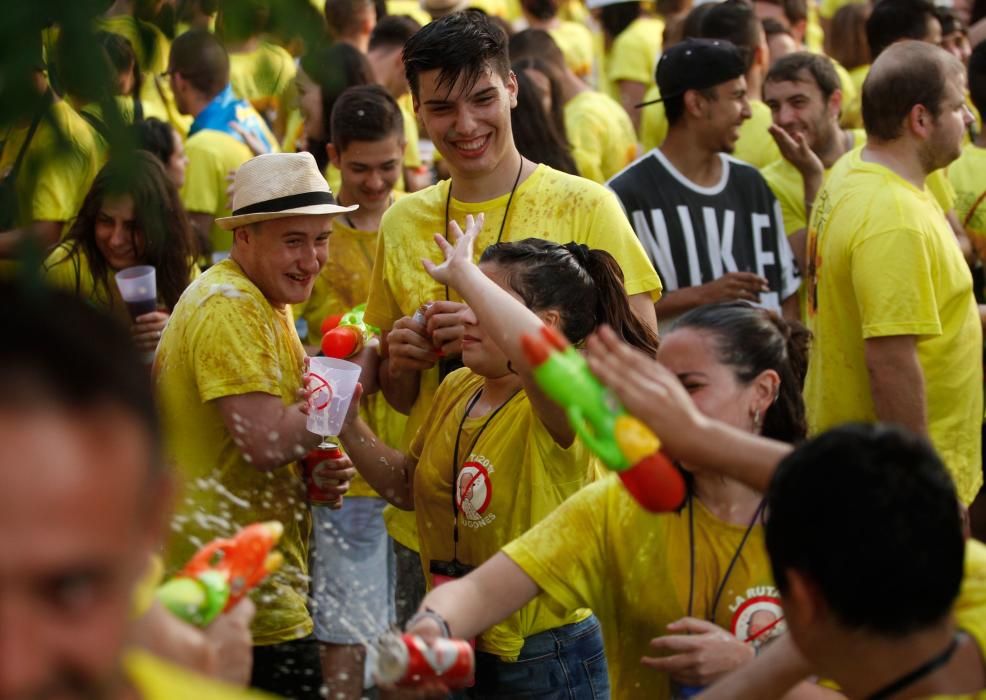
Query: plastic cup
x=138 y=287
x=332 y=383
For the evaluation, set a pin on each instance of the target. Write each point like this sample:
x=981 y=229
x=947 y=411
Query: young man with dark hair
x=897 y=335
x=600 y=132
x=199 y=72
x=463 y=91
x=709 y=222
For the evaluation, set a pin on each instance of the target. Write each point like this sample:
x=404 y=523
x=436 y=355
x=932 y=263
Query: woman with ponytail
x=496 y=456
x=683 y=598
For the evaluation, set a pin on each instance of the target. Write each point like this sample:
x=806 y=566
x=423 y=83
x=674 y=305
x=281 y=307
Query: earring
x=756 y=419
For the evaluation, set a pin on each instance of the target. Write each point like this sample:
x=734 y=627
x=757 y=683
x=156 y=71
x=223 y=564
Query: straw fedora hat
x=277 y=185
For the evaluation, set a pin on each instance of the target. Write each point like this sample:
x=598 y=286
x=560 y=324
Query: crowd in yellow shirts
x=758 y=241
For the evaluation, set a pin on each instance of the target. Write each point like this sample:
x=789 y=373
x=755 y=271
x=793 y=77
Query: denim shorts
x=566 y=662
x=352 y=572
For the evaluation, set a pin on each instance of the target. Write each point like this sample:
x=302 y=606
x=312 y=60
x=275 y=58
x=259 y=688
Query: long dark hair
x=751 y=340
x=584 y=285
x=535 y=133
x=159 y=216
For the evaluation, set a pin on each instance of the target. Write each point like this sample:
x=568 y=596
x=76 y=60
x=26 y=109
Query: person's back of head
x=540 y=9
x=616 y=17
x=536 y=134
x=906 y=74
x=392 y=32
x=200 y=59
x=462 y=45
x=243 y=20
x=891 y=21
x=155 y=137
x=334 y=68
x=846 y=41
x=977 y=77
x=538 y=44
x=867 y=517
x=736 y=22
x=795 y=67
x=365 y=113
x=347 y=18
x=795 y=11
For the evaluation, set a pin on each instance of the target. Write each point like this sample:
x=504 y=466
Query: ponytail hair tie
x=581 y=253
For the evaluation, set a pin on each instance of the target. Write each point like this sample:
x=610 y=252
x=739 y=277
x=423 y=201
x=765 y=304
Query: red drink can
x=325 y=452
x=408 y=661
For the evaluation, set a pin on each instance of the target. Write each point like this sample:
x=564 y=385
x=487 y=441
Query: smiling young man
x=227 y=375
x=463 y=91
x=708 y=221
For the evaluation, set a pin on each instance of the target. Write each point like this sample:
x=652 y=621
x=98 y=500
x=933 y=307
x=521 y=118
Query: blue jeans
x=564 y=663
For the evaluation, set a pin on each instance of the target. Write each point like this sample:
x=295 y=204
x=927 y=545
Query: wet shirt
x=225 y=339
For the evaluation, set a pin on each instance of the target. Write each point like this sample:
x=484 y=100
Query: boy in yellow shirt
x=897 y=334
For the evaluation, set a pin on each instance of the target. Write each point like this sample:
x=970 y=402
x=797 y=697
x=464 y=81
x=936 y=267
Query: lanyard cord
x=691 y=558
x=506 y=212
x=455 y=460
x=925 y=669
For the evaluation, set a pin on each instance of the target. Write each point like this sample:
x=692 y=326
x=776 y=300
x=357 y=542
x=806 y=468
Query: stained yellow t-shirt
x=509 y=479
x=342 y=283
x=225 y=339
x=968 y=177
x=212 y=155
x=603 y=551
x=548 y=204
x=156 y=679
x=633 y=54
x=262 y=76
x=883 y=261
x=52 y=180
x=575 y=42
x=601 y=134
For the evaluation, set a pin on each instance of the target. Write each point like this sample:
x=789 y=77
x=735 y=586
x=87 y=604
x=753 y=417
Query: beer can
x=325 y=452
x=408 y=660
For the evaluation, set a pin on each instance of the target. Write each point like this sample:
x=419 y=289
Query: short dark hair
x=155 y=137
x=794 y=10
x=541 y=9
x=893 y=20
x=459 y=45
x=870 y=515
x=773 y=27
x=789 y=69
x=916 y=75
x=393 y=31
x=950 y=22
x=674 y=106
x=60 y=351
x=735 y=21
x=341 y=16
x=199 y=57
x=365 y=113
x=977 y=77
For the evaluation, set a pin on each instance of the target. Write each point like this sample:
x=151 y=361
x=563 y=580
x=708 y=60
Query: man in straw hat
x=227 y=375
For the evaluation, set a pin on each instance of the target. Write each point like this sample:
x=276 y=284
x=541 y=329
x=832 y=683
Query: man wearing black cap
x=709 y=222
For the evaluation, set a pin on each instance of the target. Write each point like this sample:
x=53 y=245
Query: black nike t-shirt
x=694 y=235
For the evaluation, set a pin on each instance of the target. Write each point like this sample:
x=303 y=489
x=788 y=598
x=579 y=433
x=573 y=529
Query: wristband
x=432 y=615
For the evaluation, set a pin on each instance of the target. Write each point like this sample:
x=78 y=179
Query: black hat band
x=292 y=201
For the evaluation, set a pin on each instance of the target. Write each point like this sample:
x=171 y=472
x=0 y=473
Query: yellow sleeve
x=565 y=554
x=234 y=347
x=412 y=153
x=204 y=191
x=610 y=230
x=587 y=145
x=382 y=309
x=941 y=189
x=630 y=58
x=970 y=607
x=788 y=187
x=892 y=278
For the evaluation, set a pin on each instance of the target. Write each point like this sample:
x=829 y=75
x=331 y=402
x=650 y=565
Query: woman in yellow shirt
x=131 y=216
x=495 y=456
x=691 y=592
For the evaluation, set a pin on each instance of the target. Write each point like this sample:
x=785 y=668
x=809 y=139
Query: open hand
x=697 y=652
x=458 y=250
x=797 y=152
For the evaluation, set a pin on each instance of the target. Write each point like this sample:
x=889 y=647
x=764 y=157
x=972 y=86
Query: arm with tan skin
x=797 y=152
x=632 y=94
x=744 y=286
x=642 y=306
x=897 y=381
x=46 y=233
x=407 y=352
x=501 y=315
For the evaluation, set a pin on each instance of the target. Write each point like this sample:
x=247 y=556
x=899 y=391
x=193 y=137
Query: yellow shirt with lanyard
x=510 y=474
x=548 y=204
x=634 y=570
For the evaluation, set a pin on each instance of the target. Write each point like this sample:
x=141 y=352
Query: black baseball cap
x=696 y=64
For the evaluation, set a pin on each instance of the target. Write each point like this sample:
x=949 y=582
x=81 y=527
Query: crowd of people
x=760 y=222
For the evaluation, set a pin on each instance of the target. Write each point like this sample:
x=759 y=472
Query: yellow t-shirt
x=225 y=339
x=52 y=180
x=852 y=104
x=883 y=262
x=653 y=121
x=601 y=134
x=970 y=607
x=411 y=8
x=603 y=551
x=510 y=478
x=156 y=679
x=263 y=75
x=344 y=282
x=212 y=155
x=412 y=154
x=575 y=42
x=968 y=177
x=72 y=273
x=549 y=204
x=633 y=54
